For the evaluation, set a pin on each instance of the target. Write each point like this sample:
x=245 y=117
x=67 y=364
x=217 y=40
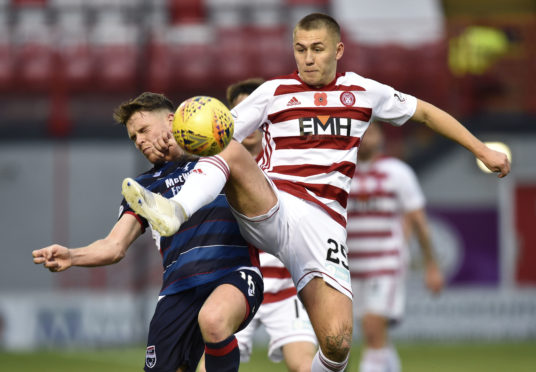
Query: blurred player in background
x=386 y=205
x=292 y=338
x=293 y=202
x=212 y=284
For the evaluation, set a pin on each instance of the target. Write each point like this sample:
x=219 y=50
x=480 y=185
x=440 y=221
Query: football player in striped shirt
x=212 y=285
x=385 y=206
x=293 y=203
x=292 y=338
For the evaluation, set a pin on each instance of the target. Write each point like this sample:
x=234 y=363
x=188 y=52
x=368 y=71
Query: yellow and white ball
x=203 y=126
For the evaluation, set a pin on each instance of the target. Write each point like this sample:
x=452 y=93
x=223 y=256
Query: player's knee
x=213 y=326
x=336 y=344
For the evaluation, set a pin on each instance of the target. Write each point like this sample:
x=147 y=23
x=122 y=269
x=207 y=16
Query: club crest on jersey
x=150 y=356
x=321 y=99
x=347 y=98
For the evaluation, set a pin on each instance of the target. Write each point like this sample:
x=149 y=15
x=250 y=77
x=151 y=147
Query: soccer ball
x=203 y=126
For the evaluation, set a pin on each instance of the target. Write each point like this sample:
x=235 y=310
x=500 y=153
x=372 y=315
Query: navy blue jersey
x=207 y=247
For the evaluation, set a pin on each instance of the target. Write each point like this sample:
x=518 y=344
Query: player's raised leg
x=247 y=189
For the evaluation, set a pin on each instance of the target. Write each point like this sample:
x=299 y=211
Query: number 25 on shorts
x=337 y=260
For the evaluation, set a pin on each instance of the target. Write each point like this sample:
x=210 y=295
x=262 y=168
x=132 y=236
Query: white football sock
x=203 y=185
x=380 y=360
x=323 y=364
x=393 y=359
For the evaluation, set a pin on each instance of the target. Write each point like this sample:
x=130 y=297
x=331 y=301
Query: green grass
x=467 y=357
x=113 y=360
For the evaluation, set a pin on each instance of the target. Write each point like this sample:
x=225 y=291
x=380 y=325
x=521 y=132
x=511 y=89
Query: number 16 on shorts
x=337 y=260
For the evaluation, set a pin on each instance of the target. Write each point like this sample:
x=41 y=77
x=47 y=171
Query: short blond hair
x=315 y=21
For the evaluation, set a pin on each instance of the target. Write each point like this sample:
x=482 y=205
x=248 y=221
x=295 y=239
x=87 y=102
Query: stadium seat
x=6 y=66
x=74 y=50
x=6 y=54
x=114 y=44
x=272 y=55
x=116 y=67
x=158 y=66
x=233 y=54
x=34 y=52
x=186 y=11
x=190 y=57
x=308 y=2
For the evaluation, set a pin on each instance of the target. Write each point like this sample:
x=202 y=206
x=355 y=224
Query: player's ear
x=340 y=50
x=170 y=118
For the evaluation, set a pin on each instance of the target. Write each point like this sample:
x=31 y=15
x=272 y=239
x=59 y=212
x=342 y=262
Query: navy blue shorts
x=174 y=335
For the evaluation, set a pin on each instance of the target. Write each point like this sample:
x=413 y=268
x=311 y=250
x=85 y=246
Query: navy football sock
x=222 y=356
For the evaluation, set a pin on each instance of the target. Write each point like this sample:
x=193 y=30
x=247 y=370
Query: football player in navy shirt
x=212 y=286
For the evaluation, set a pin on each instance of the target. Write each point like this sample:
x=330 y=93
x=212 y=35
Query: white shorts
x=285 y=322
x=381 y=295
x=304 y=237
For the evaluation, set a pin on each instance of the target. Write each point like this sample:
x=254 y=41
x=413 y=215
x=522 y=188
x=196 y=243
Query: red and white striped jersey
x=311 y=136
x=382 y=191
x=278 y=284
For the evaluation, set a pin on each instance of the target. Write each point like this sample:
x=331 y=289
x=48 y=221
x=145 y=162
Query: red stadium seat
x=189 y=58
x=272 y=54
x=74 y=50
x=115 y=51
x=33 y=50
x=6 y=66
x=159 y=67
x=233 y=58
x=308 y=2
x=192 y=67
x=34 y=67
x=116 y=67
x=186 y=11
x=78 y=67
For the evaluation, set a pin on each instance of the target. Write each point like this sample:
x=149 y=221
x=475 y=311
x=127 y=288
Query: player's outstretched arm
x=446 y=125
x=101 y=252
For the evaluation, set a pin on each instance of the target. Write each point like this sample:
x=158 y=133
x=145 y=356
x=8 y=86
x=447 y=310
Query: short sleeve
x=251 y=113
x=392 y=106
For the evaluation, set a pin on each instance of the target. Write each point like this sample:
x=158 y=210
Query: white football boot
x=164 y=215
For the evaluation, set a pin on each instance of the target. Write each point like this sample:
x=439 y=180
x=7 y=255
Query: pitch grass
x=467 y=357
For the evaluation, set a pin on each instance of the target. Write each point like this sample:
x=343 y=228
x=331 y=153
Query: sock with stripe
x=223 y=356
x=203 y=185
x=323 y=364
x=380 y=360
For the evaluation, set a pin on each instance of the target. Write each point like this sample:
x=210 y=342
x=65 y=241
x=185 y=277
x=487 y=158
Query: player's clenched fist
x=54 y=257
